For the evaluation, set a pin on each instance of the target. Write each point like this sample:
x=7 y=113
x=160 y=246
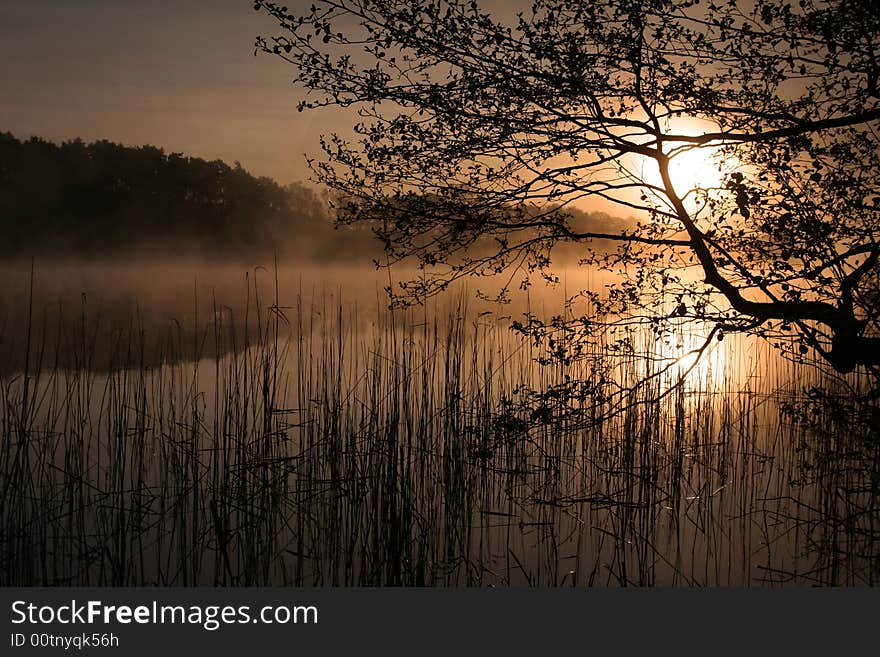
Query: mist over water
x=139 y=310
x=143 y=311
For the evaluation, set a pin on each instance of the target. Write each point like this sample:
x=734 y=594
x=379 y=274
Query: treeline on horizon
x=105 y=200
x=100 y=199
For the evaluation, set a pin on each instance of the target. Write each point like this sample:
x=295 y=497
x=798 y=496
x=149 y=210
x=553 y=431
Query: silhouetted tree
x=477 y=130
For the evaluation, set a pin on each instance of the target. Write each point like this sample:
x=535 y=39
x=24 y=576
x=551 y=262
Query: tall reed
x=300 y=444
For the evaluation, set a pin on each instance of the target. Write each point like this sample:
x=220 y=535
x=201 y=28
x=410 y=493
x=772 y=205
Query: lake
x=189 y=423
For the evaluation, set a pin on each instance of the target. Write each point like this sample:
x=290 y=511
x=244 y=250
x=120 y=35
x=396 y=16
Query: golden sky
x=179 y=74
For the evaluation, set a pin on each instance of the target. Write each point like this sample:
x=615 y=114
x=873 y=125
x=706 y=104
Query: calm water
x=195 y=424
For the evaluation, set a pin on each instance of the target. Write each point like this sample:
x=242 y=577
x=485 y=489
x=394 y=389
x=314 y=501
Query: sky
x=178 y=74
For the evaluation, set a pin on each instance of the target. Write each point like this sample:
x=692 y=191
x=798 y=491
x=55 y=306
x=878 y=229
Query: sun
x=696 y=171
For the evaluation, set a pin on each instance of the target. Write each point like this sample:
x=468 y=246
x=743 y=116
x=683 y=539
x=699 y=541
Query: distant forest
x=105 y=200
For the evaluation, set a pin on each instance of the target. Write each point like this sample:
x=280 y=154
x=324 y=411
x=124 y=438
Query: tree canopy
x=474 y=128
